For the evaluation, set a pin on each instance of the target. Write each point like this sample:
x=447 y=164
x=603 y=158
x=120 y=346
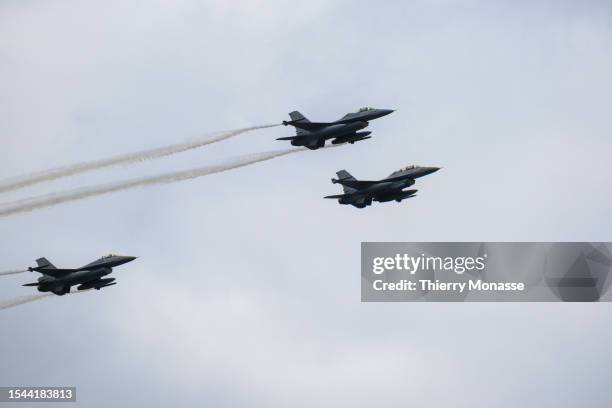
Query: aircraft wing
x=347 y=195
x=394 y=177
x=46 y=267
x=307 y=125
x=356 y=184
x=56 y=273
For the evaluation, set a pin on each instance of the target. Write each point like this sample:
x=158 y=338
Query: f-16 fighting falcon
x=59 y=281
x=361 y=193
x=346 y=130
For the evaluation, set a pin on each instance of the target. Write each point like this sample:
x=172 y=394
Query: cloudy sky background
x=246 y=291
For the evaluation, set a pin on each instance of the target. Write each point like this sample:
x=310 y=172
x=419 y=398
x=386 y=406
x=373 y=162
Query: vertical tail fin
x=345 y=175
x=44 y=263
x=297 y=116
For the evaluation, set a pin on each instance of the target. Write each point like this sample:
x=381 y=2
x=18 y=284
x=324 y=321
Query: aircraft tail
x=44 y=263
x=344 y=175
x=298 y=117
x=47 y=268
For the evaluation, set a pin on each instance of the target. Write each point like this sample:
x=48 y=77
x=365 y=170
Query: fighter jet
x=361 y=193
x=345 y=130
x=59 y=281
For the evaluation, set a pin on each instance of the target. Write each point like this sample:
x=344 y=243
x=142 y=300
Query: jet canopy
x=407 y=168
x=402 y=170
x=109 y=256
x=365 y=109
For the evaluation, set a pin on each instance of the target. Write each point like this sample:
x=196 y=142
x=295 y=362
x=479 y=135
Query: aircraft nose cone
x=429 y=170
x=386 y=111
x=129 y=258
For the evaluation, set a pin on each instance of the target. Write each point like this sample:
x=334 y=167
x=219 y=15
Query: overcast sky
x=246 y=292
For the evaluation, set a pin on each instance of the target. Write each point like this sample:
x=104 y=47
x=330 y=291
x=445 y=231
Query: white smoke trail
x=78 y=194
x=5 y=304
x=8 y=303
x=13 y=272
x=59 y=172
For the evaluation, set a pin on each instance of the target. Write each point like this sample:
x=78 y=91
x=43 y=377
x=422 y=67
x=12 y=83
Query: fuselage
x=387 y=186
x=93 y=272
x=361 y=193
x=364 y=115
x=397 y=181
x=49 y=283
x=382 y=192
x=343 y=130
x=333 y=131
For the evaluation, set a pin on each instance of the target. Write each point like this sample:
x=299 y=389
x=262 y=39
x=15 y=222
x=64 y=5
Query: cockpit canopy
x=401 y=171
x=109 y=256
x=365 y=109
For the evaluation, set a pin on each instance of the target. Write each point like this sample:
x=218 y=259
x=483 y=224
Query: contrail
x=59 y=172
x=8 y=303
x=13 y=272
x=5 y=304
x=49 y=200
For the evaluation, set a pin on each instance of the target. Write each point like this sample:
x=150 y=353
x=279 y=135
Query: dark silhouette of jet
x=361 y=193
x=346 y=130
x=59 y=281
